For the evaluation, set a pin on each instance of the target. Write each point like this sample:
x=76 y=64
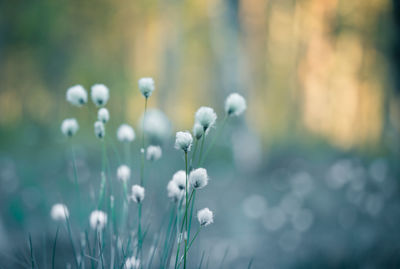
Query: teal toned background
x=308 y=177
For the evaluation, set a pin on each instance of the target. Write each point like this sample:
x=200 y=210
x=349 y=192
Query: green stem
x=191 y=242
x=193 y=159
x=179 y=233
x=139 y=231
x=191 y=211
x=78 y=193
x=142 y=149
x=165 y=250
x=54 y=248
x=72 y=242
x=201 y=149
x=186 y=209
x=215 y=139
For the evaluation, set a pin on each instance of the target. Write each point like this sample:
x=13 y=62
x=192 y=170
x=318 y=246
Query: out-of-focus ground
x=307 y=178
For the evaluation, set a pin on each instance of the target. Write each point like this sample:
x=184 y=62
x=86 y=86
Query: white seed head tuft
x=198 y=178
x=100 y=94
x=137 y=193
x=77 y=95
x=235 y=104
x=146 y=86
x=183 y=141
x=125 y=133
x=103 y=115
x=98 y=220
x=205 y=217
x=132 y=263
x=123 y=173
x=206 y=117
x=153 y=153
x=156 y=126
x=174 y=192
x=198 y=130
x=59 y=212
x=99 y=129
x=180 y=179
x=69 y=127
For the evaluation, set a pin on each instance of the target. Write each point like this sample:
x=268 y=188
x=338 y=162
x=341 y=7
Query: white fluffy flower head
x=198 y=178
x=77 y=95
x=156 y=126
x=132 y=263
x=183 y=141
x=98 y=220
x=174 y=192
x=59 y=212
x=69 y=127
x=180 y=179
x=206 y=117
x=235 y=104
x=153 y=153
x=137 y=193
x=146 y=86
x=99 y=129
x=103 y=115
x=198 y=130
x=100 y=94
x=205 y=217
x=123 y=173
x=125 y=133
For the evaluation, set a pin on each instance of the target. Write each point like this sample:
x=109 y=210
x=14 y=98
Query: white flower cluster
x=125 y=133
x=176 y=186
x=99 y=129
x=146 y=86
x=137 y=193
x=100 y=94
x=206 y=117
x=123 y=173
x=59 y=212
x=77 y=95
x=98 y=220
x=198 y=178
x=235 y=105
x=183 y=141
x=132 y=263
x=69 y=127
x=153 y=153
x=205 y=217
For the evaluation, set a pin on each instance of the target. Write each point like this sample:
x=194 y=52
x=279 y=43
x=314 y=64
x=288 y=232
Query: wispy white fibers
x=174 y=191
x=99 y=129
x=125 y=133
x=235 y=104
x=198 y=178
x=123 y=173
x=157 y=126
x=69 y=127
x=137 y=193
x=100 y=94
x=103 y=115
x=153 y=153
x=183 y=141
x=132 y=263
x=206 y=117
x=205 y=217
x=146 y=86
x=77 y=95
x=98 y=220
x=198 y=130
x=59 y=212
x=180 y=179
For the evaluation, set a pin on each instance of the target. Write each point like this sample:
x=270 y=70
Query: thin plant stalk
x=193 y=159
x=78 y=193
x=203 y=137
x=142 y=149
x=139 y=230
x=186 y=209
x=191 y=242
x=53 y=258
x=31 y=251
x=165 y=250
x=219 y=131
x=179 y=233
x=191 y=210
x=72 y=242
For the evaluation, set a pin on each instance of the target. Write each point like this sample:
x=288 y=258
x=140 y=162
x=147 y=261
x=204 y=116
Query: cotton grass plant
x=109 y=239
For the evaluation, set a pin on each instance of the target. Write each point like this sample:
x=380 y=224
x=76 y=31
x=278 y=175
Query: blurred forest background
x=322 y=82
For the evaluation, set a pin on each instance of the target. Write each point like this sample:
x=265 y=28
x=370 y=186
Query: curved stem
x=186 y=209
x=201 y=149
